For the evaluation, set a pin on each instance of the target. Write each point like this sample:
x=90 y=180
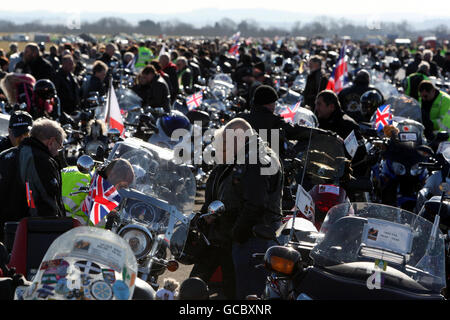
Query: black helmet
x=44 y=89
x=370 y=101
x=288 y=67
x=395 y=64
x=227 y=68
x=193 y=289
x=278 y=61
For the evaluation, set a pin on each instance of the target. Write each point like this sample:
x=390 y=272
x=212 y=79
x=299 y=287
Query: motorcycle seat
x=33 y=237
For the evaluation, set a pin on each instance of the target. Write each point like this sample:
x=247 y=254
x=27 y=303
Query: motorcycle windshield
x=162 y=195
x=129 y=103
x=387 y=89
x=364 y=233
x=402 y=107
x=85 y=263
x=405 y=107
x=325 y=160
x=157 y=175
x=220 y=87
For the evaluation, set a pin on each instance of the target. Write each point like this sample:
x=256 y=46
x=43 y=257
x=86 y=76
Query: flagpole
x=108 y=108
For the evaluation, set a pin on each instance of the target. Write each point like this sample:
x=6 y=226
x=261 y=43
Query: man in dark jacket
x=414 y=79
x=108 y=55
x=34 y=64
x=262 y=116
x=185 y=76
x=152 y=88
x=171 y=69
x=166 y=78
x=251 y=196
x=316 y=81
x=67 y=86
x=350 y=96
x=332 y=118
x=52 y=57
x=34 y=182
x=259 y=77
x=20 y=124
x=413 y=65
x=251 y=192
x=97 y=81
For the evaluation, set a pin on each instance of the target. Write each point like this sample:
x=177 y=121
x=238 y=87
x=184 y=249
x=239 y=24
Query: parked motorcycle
x=159 y=204
x=365 y=251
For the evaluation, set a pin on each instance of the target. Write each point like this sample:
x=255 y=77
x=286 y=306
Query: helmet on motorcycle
x=395 y=65
x=377 y=66
x=288 y=67
x=44 y=97
x=370 y=101
x=44 y=89
x=173 y=121
x=278 y=61
x=193 y=289
x=226 y=67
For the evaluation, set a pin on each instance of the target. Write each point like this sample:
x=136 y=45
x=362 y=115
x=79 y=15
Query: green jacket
x=72 y=180
x=440 y=112
x=412 y=89
x=145 y=55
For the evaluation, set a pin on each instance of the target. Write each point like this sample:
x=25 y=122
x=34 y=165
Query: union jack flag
x=194 y=101
x=234 y=50
x=102 y=198
x=338 y=78
x=289 y=112
x=384 y=117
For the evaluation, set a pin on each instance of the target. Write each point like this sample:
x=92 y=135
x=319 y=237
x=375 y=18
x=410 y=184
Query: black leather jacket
x=249 y=196
x=156 y=94
x=43 y=173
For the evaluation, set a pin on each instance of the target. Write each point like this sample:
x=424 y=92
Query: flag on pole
x=234 y=50
x=113 y=116
x=383 y=117
x=338 y=78
x=163 y=50
x=236 y=36
x=194 y=101
x=289 y=112
x=102 y=198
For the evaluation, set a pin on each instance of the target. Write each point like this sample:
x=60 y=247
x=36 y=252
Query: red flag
x=338 y=78
x=113 y=115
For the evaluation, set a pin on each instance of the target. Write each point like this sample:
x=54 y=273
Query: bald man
x=252 y=195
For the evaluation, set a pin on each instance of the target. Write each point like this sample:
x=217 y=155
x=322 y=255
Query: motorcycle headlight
x=139 y=239
x=398 y=168
x=416 y=170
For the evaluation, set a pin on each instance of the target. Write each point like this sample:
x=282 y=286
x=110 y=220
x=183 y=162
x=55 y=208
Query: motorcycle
x=363 y=251
x=86 y=263
x=158 y=206
x=321 y=174
x=439 y=174
x=398 y=176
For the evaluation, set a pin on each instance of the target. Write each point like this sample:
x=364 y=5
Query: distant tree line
x=321 y=27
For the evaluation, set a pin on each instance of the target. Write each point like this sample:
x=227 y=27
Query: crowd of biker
x=30 y=152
